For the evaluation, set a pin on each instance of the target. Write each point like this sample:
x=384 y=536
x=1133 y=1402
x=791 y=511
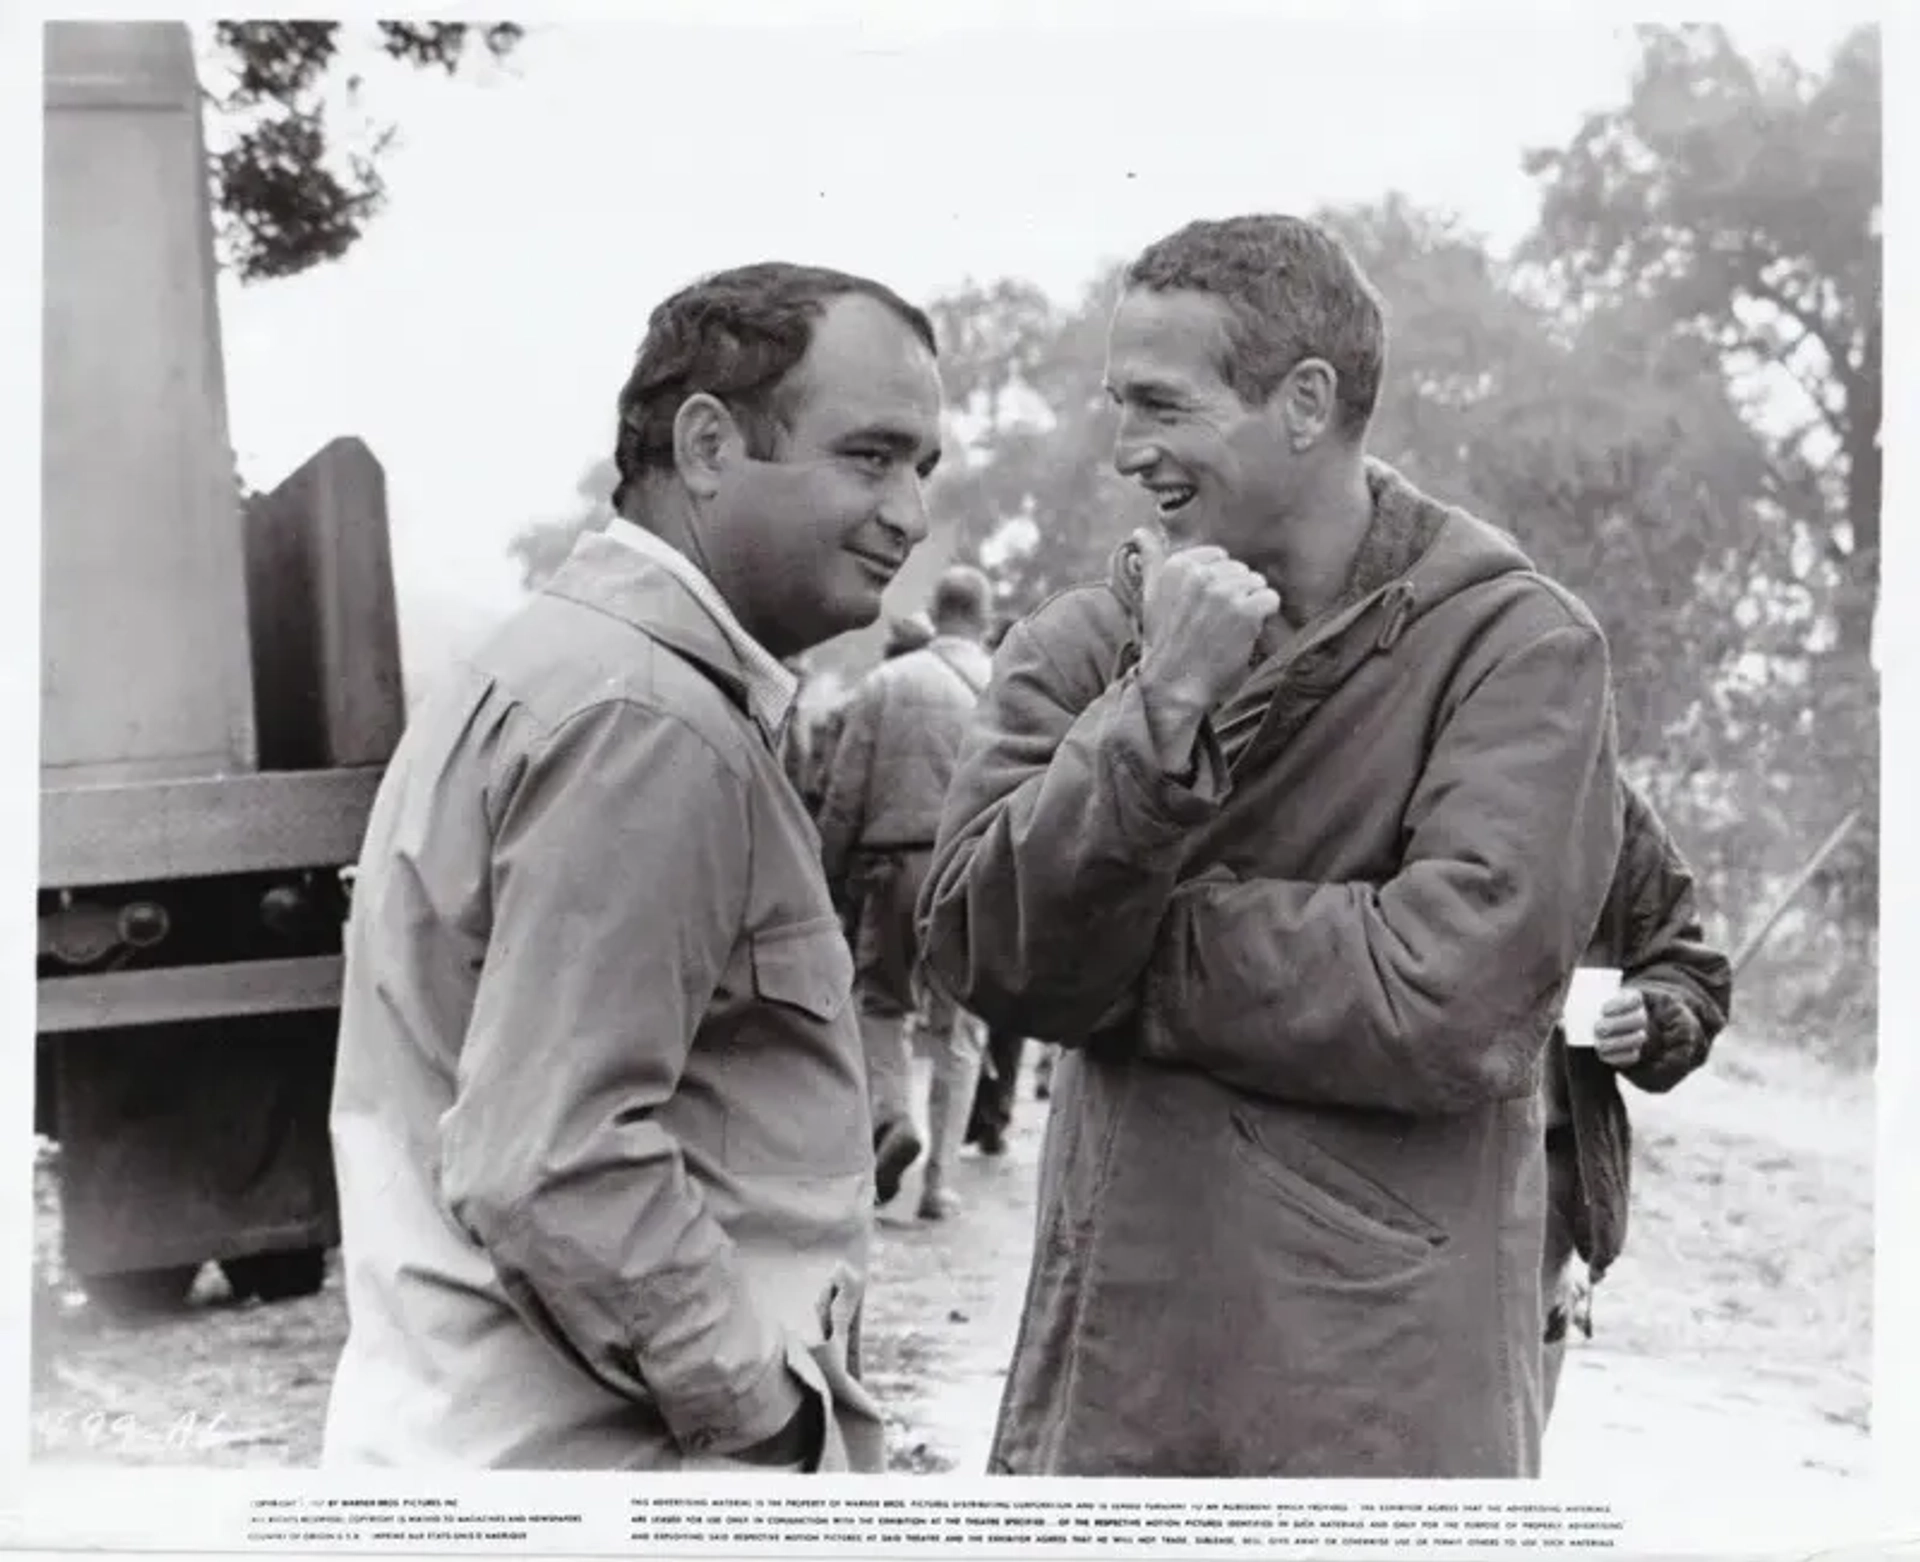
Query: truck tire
x=140 y=1293
x=276 y=1277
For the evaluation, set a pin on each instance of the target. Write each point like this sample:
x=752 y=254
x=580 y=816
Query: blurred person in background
x=1675 y=997
x=1293 y=831
x=600 y=1118
x=991 y=1119
x=892 y=760
x=908 y=632
x=796 y=743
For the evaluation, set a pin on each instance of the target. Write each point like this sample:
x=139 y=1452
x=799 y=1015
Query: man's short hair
x=735 y=335
x=962 y=594
x=1293 y=291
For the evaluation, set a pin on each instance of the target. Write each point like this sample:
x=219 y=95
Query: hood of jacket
x=1416 y=554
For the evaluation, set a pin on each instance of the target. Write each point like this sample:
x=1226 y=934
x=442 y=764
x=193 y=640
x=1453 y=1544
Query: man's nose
x=1133 y=452
x=905 y=509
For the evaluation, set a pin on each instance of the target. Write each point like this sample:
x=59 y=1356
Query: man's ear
x=705 y=439
x=1307 y=402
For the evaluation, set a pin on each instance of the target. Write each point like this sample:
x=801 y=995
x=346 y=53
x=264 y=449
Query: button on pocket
x=805 y=965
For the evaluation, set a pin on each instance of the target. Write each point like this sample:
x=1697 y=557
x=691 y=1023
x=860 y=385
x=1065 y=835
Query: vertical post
x=144 y=660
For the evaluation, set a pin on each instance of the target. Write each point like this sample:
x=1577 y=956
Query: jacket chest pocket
x=804 y=966
x=793 y=1081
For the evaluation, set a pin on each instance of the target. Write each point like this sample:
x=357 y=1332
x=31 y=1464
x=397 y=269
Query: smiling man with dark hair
x=600 y=1117
x=1293 y=832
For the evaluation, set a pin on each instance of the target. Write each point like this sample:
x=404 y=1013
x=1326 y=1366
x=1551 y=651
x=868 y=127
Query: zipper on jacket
x=1312 y=639
x=1399 y=604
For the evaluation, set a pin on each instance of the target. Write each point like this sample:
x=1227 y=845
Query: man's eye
x=876 y=462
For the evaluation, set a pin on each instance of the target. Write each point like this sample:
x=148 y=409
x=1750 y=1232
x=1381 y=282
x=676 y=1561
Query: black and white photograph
x=930 y=742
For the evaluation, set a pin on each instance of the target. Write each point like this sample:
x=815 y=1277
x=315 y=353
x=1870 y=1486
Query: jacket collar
x=1405 y=523
x=649 y=585
x=1415 y=552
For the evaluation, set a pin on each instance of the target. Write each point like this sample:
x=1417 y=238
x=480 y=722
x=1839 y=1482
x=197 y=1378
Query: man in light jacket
x=1294 y=834
x=899 y=737
x=600 y=1116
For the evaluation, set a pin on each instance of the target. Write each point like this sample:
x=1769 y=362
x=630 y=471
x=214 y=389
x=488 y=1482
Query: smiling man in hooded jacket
x=1294 y=831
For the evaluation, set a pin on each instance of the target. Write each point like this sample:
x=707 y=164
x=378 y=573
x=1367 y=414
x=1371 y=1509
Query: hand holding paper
x=1601 y=1014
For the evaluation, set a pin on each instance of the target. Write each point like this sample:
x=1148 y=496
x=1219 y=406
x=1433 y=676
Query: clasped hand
x=1202 y=613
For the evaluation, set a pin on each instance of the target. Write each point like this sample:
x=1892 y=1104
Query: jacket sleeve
x=1434 y=991
x=846 y=782
x=1059 y=843
x=1688 y=982
x=620 y=856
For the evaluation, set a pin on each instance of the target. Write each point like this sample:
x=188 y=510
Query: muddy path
x=1707 y=1358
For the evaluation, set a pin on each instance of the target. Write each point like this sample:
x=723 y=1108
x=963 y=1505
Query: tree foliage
x=286 y=198
x=1743 y=199
x=1740 y=201
x=1029 y=481
x=540 y=548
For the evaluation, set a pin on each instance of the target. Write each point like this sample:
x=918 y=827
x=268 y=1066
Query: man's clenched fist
x=1201 y=614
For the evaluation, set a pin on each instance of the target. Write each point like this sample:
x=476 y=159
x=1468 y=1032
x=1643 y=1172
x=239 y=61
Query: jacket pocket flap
x=1327 y=1189
x=806 y=965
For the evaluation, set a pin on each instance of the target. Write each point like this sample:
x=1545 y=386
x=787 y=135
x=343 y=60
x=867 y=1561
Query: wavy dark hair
x=735 y=335
x=1293 y=291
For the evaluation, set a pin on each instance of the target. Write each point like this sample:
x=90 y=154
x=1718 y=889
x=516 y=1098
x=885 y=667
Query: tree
x=1743 y=199
x=282 y=206
x=540 y=548
x=1612 y=451
x=1029 y=487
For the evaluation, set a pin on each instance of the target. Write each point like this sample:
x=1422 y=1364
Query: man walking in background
x=1294 y=831
x=903 y=635
x=1675 y=997
x=899 y=736
x=991 y=1119
x=600 y=1113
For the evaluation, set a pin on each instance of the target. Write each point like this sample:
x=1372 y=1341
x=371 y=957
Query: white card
x=1592 y=987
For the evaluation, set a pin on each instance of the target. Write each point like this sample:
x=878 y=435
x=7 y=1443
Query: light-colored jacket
x=898 y=742
x=600 y=1115
x=1293 y=1185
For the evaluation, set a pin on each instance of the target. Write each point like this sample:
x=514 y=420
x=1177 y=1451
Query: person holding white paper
x=1671 y=994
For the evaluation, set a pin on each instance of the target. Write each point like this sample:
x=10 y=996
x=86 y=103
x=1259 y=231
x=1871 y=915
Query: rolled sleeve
x=619 y=874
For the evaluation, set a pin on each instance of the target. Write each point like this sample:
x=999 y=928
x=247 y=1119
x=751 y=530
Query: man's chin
x=1188 y=528
x=868 y=597
x=843 y=617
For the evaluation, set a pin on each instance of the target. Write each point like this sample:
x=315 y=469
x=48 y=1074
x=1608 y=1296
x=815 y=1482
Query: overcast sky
x=477 y=335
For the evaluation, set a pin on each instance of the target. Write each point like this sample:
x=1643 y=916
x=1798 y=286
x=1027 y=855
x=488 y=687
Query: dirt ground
x=1736 y=1332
